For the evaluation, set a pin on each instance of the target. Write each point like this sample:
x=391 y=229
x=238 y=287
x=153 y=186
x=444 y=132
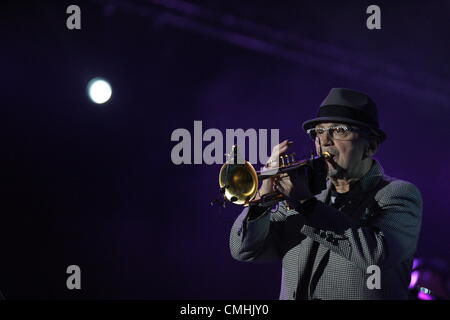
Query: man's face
x=347 y=150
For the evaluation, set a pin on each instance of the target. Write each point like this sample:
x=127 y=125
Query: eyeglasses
x=341 y=132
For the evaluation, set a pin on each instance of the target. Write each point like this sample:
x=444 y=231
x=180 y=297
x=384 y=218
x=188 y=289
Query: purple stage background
x=94 y=185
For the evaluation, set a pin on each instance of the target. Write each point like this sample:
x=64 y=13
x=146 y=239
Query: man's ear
x=372 y=147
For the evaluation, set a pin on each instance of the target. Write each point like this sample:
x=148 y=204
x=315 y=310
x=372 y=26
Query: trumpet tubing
x=239 y=182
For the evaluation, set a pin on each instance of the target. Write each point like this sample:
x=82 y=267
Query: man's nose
x=326 y=140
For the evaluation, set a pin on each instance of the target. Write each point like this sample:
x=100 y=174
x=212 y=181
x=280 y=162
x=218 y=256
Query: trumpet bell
x=238 y=182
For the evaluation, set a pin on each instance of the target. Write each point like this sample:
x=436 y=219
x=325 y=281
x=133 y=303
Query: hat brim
x=313 y=122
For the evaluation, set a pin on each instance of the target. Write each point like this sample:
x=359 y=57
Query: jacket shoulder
x=398 y=188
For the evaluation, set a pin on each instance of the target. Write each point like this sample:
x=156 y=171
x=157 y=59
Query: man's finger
x=282 y=175
x=282 y=145
x=279 y=188
x=283 y=150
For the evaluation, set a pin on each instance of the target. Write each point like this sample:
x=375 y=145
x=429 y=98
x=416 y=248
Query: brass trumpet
x=239 y=181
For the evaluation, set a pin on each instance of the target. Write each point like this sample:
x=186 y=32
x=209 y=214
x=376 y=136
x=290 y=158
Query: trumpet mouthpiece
x=327 y=155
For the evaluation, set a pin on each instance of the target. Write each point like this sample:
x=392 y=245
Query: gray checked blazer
x=327 y=252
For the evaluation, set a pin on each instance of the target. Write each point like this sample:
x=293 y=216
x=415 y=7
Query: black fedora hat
x=350 y=107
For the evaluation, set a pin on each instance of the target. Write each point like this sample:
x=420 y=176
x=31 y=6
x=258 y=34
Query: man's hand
x=294 y=186
x=268 y=185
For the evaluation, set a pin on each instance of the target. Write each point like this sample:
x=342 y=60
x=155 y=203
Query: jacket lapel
x=366 y=184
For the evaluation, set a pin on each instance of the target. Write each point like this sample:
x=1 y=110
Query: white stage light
x=99 y=90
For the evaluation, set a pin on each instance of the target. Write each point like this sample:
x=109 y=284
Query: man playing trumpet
x=354 y=240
